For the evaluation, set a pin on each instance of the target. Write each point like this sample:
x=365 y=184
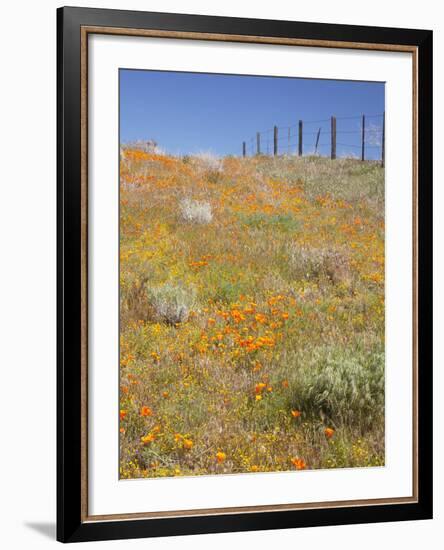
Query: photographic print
x=244 y=252
x=251 y=274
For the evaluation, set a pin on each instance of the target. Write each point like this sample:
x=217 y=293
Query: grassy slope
x=283 y=294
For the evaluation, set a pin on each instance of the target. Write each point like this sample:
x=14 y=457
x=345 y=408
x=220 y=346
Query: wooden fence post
x=317 y=141
x=383 y=141
x=363 y=138
x=244 y=149
x=258 y=143
x=333 y=137
x=300 y=139
x=275 y=141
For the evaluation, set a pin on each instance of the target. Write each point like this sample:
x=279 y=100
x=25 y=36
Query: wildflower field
x=251 y=314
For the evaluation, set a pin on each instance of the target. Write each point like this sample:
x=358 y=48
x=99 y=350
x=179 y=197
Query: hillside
x=252 y=314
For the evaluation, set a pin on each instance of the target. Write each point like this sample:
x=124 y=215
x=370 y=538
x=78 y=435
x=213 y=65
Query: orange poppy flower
x=145 y=411
x=329 y=432
x=220 y=457
x=295 y=413
x=260 y=318
x=187 y=444
x=122 y=414
x=260 y=387
x=149 y=438
x=298 y=463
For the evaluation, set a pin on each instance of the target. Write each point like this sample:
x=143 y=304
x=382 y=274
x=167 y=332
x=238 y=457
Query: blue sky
x=191 y=112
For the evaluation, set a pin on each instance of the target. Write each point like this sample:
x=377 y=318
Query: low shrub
x=208 y=162
x=341 y=390
x=317 y=263
x=171 y=303
x=195 y=211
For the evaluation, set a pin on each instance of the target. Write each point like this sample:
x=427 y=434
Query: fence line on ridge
x=294 y=139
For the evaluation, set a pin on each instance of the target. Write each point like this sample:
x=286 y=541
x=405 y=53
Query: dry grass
x=252 y=314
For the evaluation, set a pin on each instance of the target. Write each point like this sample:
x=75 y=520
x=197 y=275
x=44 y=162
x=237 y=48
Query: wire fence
x=361 y=136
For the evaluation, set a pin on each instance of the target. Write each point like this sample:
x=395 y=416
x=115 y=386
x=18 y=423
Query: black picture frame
x=71 y=524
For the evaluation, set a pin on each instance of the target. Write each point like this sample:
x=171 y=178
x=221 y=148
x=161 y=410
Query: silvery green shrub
x=344 y=389
x=195 y=211
x=171 y=303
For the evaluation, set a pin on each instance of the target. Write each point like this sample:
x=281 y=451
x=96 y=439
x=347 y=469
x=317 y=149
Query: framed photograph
x=244 y=274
